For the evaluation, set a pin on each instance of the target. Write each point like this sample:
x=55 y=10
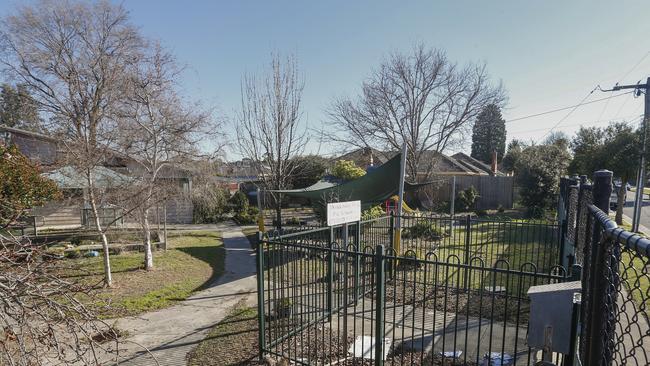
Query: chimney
x=494 y=163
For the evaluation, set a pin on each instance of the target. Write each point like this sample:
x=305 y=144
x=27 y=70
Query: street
x=628 y=210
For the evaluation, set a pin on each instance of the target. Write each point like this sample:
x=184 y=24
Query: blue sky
x=548 y=54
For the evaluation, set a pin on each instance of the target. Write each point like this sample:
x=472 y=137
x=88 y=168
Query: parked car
x=613 y=200
x=617 y=185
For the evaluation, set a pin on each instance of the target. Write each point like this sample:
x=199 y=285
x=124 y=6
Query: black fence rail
x=350 y=306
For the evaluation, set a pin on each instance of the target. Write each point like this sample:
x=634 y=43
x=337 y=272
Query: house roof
x=458 y=164
x=69 y=177
x=469 y=160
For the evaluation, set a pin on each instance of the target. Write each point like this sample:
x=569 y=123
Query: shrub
x=372 y=213
x=500 y=209
x=466 y=199
x=210 y=206
x=293 y=221
x=72 y=254
x=539 y=169
x=247 y=217
x=481 y=213
x=347 y=170
x=424 y=229
x=410 y=260
x=239 y=201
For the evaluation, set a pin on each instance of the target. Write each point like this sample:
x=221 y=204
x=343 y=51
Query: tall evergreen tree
x=489 y=134
x=18 y=108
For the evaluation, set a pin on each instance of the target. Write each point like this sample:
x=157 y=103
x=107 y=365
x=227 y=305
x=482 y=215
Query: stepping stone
x=495 y=289
x=364 y=347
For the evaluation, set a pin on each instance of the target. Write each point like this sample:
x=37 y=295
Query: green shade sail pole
x=400 y=201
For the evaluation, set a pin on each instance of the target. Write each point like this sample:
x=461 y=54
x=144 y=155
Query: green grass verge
x=193 y=260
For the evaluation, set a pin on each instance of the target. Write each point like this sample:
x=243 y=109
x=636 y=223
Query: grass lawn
x=193 y=260
x=231 y=342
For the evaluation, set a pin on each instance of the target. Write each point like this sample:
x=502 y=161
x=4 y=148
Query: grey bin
x=552 y=305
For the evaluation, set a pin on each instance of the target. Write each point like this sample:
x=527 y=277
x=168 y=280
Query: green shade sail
x=372 y=189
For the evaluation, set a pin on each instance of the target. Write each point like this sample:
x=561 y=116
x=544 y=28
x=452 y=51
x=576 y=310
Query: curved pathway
x=171 y=333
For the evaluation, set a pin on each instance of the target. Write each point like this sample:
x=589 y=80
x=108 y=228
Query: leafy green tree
x=587 y=150
x=347 y=170
x=615 y=147
x=21 y=186
x=489 y=134
x=18 y=108
x=538 y=171
x=239 y=202
x=308 y=170
x=509 y=162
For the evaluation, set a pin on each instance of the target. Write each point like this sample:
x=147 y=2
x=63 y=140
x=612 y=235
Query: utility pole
x=640 y=180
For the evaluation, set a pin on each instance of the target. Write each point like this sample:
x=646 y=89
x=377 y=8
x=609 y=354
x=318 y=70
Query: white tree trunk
x=148 y=255
x=108 y=278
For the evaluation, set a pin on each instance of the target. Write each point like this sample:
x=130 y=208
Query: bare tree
x=42 y=321
x=160 y=132
x=73 y=57
x=269 y=131
x=421 y=99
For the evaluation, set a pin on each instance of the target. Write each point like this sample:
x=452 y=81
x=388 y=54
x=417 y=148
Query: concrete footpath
x=171 y=333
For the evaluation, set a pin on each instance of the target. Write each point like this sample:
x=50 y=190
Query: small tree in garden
x=21 y=185
x=347 y=170
x=239 y=202
x=74 y=58
x=308 y=170
x=509 y=162
x=539 y=169
x=419 y=98
x=269 y=128
x=159 y=131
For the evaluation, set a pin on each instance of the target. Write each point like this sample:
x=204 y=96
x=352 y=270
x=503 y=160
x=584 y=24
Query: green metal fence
x=454 y=291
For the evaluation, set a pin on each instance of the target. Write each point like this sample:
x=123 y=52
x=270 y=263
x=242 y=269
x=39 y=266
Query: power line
x=582 y=102
x=635 y=65
x=587 y=124
x=565 y=108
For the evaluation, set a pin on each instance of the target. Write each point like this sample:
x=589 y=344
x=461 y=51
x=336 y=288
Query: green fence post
x=391 y=231
x=330 y=275
x=260 y=299
x=357 y=263
x=467 y=257
x=380 y=276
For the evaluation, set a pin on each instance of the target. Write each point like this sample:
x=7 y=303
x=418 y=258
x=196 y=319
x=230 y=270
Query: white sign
x=342 y=212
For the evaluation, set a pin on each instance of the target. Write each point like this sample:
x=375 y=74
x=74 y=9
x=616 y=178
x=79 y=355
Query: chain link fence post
x=602 y=191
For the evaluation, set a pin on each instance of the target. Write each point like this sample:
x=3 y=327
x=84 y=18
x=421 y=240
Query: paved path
x=173 y=332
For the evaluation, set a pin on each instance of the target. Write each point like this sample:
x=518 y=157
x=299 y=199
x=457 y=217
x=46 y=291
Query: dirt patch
x=231 y=342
